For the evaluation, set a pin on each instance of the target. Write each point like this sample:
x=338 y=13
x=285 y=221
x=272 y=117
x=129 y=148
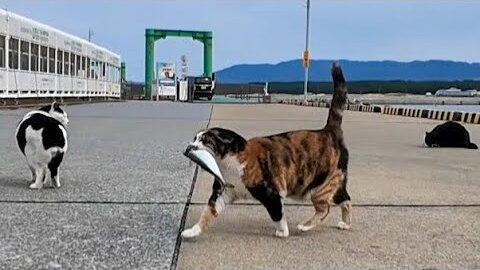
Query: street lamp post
x=306 y=54
x=90 y=34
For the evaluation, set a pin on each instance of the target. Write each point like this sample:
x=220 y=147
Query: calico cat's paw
x=343 y=226
x=192 y=232
x=304 y=228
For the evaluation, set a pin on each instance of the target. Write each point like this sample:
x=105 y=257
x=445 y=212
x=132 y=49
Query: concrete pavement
x=124 y=188
x=381 y=238
x=415 y=207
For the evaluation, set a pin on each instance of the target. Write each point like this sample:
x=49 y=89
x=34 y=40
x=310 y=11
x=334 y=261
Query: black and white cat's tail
x=339 y=98
x=472 y=146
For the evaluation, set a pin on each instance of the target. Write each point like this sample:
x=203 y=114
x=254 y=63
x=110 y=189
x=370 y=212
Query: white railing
x=15 y=84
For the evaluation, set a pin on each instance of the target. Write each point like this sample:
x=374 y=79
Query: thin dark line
x=418 y=205
x=210 y=117
x=363 y=205
x=178 y=243
x=90 y=202
x=238 y=204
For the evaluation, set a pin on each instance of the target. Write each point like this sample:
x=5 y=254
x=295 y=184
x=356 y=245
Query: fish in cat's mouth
x=190 y=148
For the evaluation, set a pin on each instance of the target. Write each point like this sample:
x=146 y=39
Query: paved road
x=125 y=185
x=415 y=207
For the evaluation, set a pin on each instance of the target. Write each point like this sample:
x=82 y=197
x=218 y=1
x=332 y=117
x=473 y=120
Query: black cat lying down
x=449 y=134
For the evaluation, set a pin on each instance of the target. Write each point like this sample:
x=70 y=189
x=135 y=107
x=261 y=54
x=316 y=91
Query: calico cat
x=297 y=164
x=42 y=138
x=449 y=134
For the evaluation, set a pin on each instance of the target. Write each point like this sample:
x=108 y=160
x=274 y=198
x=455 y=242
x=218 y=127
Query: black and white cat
x=42 y=138
x=449 y=134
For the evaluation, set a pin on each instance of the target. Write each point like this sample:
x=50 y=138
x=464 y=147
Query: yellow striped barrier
x=466 y=117
x=350 y=107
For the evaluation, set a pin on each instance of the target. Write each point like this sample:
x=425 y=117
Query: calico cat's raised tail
x=339 y=99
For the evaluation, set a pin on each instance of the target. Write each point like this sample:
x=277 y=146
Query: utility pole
x=306 y=54
x=90 y=34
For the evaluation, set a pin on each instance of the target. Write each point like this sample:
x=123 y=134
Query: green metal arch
x=152 y=35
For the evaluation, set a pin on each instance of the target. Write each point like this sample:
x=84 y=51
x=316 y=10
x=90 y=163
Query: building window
x=92 y=66
x=99 y=70
x=59 y=62
x=112 y=77
x=2 y=52
x=103 y=71
x=13 y=53
x=51 y=60
x=43 y=59
x=95 y=70
x=79 y=64
x=88 y=68
x=107 y=68
x=66 y=62
x=24 y=51
x=84 y=74
x=34 y=57
x=72 y=65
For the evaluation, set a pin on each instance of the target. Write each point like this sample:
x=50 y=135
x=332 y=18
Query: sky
x=252 y=32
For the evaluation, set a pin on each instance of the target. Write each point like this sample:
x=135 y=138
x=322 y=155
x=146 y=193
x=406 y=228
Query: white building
x=37 y=60
x=455 y=92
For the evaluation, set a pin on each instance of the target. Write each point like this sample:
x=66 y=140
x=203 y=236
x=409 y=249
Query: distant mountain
x=290 y=71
